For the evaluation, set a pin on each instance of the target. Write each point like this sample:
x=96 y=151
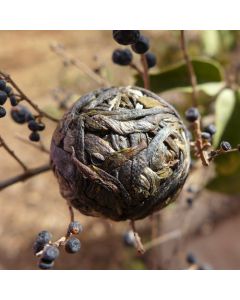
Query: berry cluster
x=21 y=115
x=48 y=251
x=139 y=44
x=5 y=93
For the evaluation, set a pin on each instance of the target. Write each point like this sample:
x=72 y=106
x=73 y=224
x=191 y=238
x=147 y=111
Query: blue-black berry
x=2 y=112
x=2 y=84
x=41 y=126
x=33 y=125
x=73 y=245
x=44 y=265
x=8 y=90
x=44 y=237
x=141 y=46
x=192 y=114
x=50 y=254
x=13 y=100
x=34 y=136
x=126 y=37
x=225 y=146
x=75 y=227
x=3 y=97
x=129 y=239
x=206 y=135
x=190 y=201
x=211 y=129
x=151 y=59
x=122 y=57
x=191 y=259
x=20 y=114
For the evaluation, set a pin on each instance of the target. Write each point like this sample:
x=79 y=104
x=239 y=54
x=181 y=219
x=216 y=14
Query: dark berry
x=151 y=59
x=41 y=126
x=211 y=129
x=44 y=237
x=8 y=90
x=73 y=245
x=13 y=100
x=192 y=114
x=34 y=136
x=122 y=57
x=38 y=246
x=50 y=254
x=2 y=112
x=129 y=239
x=191 y=259
x=20 y=114
x=225 y=146
x=141 y=46
x=206 y=136
x=44 y=265
x=75 y=227
x=33 y=125
x=190 y=202
x=2 y=84
x=126 y=37
x=3 y=97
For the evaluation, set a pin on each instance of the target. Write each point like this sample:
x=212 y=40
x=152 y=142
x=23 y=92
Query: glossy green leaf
x=228 y=125
x=177 y=76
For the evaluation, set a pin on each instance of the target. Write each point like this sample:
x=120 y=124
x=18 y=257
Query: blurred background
x=208 y=223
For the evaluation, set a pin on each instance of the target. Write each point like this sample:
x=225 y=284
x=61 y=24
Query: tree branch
x=24 y=176
x=60 y=51
x=11 y=152
x=192 y=75
x=23 y=96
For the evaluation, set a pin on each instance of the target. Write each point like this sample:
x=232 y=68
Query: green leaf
x=211 y=42
x=228 y=125
x=177 y=76
x=224 y=106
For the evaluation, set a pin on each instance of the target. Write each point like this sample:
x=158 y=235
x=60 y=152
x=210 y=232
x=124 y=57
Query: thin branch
x=60 y=51
x=139 y=244
x=145 y=74
x=176 y=234
x=11 y=152
x=201 y=152
x=23 y=96
x=192 y=75
x=40 y=146
x=24 y=176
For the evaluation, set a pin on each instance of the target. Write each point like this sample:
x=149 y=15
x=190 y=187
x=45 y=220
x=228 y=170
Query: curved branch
x=24 y=176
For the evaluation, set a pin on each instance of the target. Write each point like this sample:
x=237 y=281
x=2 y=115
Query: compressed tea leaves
x=120 y=153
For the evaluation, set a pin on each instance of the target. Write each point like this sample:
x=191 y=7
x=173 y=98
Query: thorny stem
x=220 y=152
x=11 y=152
x=192 y=75
x=145 y=74
x=24 y=176
x=23 y=96
x=139 y=245
x=60 y=51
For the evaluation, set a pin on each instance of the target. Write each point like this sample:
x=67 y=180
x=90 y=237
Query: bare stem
x=139 y=244
x=40 y=146
x=24 y=176
x=192 y=75
x=163 y=239
x=60 y=51
x=199 y=143
x=23 y=96
x=11 y=152
x=145 y=74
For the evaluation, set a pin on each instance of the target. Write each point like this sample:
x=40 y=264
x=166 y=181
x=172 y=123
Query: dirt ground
x=29 y=207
